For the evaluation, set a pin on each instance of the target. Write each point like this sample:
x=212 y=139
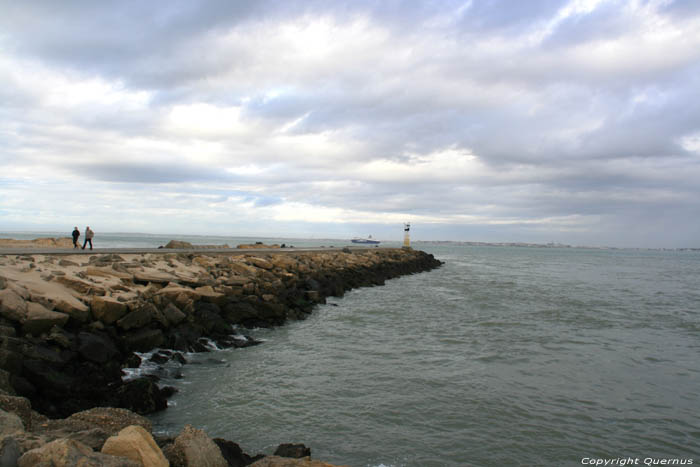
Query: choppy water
x=504 y=356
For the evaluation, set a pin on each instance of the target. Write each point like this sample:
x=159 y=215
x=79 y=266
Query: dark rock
x=48 y=377
x=159 y=357
x=233 y=453
x=9 y=451
x=142 y=396
x=22 y=386
x=168 y=391
x=143 y=340
x=296 y=451
x=10 y=361
x=97 y=348
x=136 y=319
x=173 y=314
x=201 y=346
x=178 y=357
x=132 y=361
x=209 y=317
x=62 y=338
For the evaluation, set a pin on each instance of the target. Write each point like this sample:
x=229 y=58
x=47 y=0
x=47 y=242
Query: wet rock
x=97 y=348
x=143 y=340
x=132 y=361
x=49 y=377
x=142 y=396
x=296 y=451
x=233 y=453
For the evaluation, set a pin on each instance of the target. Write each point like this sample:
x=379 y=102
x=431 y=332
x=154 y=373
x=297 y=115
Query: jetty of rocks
x=70 y=324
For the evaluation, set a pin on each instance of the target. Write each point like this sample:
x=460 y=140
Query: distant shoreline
x=36 y=235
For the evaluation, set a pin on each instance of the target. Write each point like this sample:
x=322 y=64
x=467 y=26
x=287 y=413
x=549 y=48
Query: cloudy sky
x=574 y=121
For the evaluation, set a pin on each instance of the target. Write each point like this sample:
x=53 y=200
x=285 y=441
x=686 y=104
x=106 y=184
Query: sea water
x=503 y=356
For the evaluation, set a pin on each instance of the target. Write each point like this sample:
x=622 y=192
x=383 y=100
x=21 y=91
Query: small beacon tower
x=406 y=235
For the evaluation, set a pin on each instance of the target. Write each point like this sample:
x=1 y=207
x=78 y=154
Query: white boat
x=367 y=241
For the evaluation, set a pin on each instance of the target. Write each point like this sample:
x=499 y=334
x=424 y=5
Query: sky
x=571 y=121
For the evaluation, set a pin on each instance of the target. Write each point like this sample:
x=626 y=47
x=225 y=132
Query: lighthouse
x=406 y=235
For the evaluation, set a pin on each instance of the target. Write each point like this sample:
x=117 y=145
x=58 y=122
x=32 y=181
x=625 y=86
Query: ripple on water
x=504 y=356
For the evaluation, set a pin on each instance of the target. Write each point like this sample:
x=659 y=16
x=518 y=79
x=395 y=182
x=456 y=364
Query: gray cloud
x=532 y=120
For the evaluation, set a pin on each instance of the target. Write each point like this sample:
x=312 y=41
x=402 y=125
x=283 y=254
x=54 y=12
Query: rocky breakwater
x=70 y=324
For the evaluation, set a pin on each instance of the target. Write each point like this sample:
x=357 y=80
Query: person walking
x=88 y=237
x=76 y=236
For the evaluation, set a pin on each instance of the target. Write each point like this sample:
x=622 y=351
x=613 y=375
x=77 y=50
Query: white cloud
x=574 y=117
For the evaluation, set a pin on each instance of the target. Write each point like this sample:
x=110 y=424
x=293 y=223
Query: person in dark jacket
x=76 y=236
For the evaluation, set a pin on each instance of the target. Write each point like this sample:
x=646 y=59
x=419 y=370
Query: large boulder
x=155 y=277
x=242 y=269
x=111 y=419
x=6 y=387
x=19 y=406
x=80 y=286
x=10 y=451
x=296 y=451
x=136 y=319
x=39 y=320
x=142 y=396
x=96 y=347
x=108 y=310
x=143 y=340
x=194 y=448
x=259 y=262
x=10 y=424
x=173 y=314
x=73 y=307
x=11 y=354
x=12 y=305
x=68 y=452
x=233 y=453
x=136 y=444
